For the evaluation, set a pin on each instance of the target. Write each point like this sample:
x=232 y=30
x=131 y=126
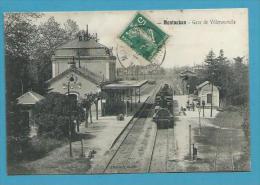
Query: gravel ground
x=221 y=143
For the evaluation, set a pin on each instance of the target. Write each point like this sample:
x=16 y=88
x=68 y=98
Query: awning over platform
x=125 y=84
x=121 y=96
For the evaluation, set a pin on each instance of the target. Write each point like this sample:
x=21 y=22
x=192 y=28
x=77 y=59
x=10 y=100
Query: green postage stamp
x=144 y=37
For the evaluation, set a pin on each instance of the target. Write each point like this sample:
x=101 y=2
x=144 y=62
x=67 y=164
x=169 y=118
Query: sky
x=188 y=44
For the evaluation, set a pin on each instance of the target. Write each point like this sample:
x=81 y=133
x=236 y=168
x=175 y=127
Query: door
x=209 y=98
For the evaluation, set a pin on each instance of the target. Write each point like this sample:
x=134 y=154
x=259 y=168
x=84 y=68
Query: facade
x=88 y=54
x=205 y=94
x=76 y=82
x=81 y=65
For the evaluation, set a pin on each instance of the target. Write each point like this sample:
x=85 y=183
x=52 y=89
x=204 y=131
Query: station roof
x=29 y=98
x=77 y=44
x=125 y=84
x=203 y=84
x=85 y=73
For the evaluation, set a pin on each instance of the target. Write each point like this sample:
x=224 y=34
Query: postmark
x=144 y=37
x=127 y=57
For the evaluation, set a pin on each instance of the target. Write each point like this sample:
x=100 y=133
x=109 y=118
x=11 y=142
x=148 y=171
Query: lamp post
x=211 y=105
x=126 y=111
x=188 y=89
x=71 y=79
x=190 y=142
x=203 y=106
x=199 y=110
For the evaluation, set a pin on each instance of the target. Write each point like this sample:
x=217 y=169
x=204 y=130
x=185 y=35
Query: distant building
x=138 y=72
x=186 y=74
x=205 y=94
x=81 y=65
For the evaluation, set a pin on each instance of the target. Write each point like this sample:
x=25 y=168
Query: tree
x=71 y=29
x=222 y=74
x=87 y=103
x=54 y=116
x=232 y=79
x=51 y=35
x=19 y=45
x=240 y=73
x=17 y=134
x=211 y=64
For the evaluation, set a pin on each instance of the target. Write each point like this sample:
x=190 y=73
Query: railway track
x=131 y=154
x=159 y=155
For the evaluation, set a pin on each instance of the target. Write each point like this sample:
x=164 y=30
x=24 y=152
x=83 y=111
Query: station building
x=208 y=94
x=84 y=66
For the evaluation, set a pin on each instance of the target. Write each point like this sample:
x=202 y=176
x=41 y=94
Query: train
x=163 y=108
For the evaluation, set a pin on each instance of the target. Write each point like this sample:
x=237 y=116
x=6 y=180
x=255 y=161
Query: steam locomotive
x=163 y=109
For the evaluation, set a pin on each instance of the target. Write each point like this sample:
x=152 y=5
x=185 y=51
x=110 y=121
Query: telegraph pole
x=203 y=106
x=70 y=139
x=190 y=141
x=211 y=105
x=199 y=109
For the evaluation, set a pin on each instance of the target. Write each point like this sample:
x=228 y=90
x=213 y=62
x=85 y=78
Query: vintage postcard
x=105 y=92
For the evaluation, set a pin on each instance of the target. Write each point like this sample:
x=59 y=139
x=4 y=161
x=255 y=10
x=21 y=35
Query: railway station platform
x=102 y=134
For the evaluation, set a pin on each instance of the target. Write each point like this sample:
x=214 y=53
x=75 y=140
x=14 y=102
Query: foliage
x=19 y=36
x=29 y=48
x=40 y=146
x=51 y=35
x=28 y=51
x=229 y=75
x=17 y=134
x=71 y=28
x=87 y=102
x=54 y=115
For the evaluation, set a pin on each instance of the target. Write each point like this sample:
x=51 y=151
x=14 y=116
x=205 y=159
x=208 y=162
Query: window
x=209 y=98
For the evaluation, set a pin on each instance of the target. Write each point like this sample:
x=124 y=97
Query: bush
x=17 y=134
x=40 y=146
x=55 y=114
x=231 y=108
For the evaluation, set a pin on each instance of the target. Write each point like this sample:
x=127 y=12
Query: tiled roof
x=76 y=43
x=94 y=78
x=125 y=84
x=202 y=84
x=29 y=98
